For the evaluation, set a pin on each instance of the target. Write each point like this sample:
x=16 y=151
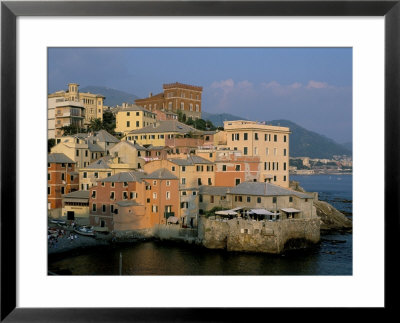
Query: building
x=160 y=133
x=75 y=206
x=259 y=198
x=92 y=103
x=85 y=148
x=176 y=97
x=165 y=115
x=132 y=117
x=61 y=179
x=269 y=143
x=134 y=200
x=63 y=113
x=118 y=203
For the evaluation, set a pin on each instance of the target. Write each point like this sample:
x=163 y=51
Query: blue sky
x=309 y=86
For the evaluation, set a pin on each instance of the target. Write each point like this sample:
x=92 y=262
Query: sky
x=309 y=86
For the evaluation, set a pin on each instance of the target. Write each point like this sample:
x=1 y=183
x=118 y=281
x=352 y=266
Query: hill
x=113 y=97
x=218 y=119
x=306 y=143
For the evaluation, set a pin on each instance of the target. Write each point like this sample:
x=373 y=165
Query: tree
x=109 y=121
x=95 y=125
x=71 y=130
x=50 y=144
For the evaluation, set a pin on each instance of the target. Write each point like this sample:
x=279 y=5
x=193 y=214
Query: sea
x=333 y=256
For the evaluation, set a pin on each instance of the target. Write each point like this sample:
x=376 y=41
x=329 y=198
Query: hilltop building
x=132 y=117
x=176 y=97
x=93 y=103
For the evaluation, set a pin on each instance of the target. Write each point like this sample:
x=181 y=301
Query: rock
x=331 y=218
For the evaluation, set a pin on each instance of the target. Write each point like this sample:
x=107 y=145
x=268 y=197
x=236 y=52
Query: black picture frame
x=10 y=10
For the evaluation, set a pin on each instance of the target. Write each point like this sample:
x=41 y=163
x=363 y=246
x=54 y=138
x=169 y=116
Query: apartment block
x=132 y=117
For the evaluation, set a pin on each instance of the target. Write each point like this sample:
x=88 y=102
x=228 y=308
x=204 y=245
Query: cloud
x=317 y=85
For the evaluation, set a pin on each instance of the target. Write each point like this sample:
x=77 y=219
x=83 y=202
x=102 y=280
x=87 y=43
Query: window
x=128 y=123
x=284 y=178
x=183 y=193
x=284 y=152
x=183 y=168
x=48 y=177
x=48 y=165
x=256 y=136
x=245 y=136
x=63 y=176
x=104 y=208
x=274 y=199
x=108 y=174
x=155 y=208
x=197 y=108
x=237 y=181
x=103 y=184
x=183 y=180
x=275 y=137
x=77 y=152
x=168 y=183
x=48 y=190
x=284 y=138
x=275 y=151
x=93 y=194
x=168 y=195
x=84 y=175
x=124 y=195
x=128 y=114
x=275 y=178
x=224 y=168
x=305 y=200
x=112 y=194
x=212 y=199
x=199 y=181
x=137 y=123
x=200 y=198
x=284 y=166
x=154 y=195
x=248 y=199
x=238 y=198
x=96 y=175
x=277 y=166
x=194 y=193
x=112 y=184
x=209 y=181
x=94 y=207
x=290 y=198
x=258 y=199
x=182 y=106
x=237 y=167
x=86 y=153
x=154 y=183
x=191 y=107
x=173 y=168
x=245 y=151
x=255 y=151
x=132 y=195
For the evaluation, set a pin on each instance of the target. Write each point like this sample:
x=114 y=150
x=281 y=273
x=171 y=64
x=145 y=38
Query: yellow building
x=93 y=103
x=270 y=143
x=75 y=207
x=132 y=117
x=159 y=133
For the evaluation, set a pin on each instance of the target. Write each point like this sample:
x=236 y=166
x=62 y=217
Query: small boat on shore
x=85 y=231
x=58 y=221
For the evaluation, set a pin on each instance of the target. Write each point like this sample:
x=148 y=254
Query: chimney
x=150 y=94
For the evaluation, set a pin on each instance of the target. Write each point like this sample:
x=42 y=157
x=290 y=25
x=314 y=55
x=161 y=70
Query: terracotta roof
x=161 y=174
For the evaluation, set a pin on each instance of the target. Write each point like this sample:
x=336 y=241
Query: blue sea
x=333 y=256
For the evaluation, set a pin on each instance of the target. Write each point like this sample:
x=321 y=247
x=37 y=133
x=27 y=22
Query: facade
x=165 y=115
x=157 y=134
x=62 y=113
x=282 y=202
x=61 y=179
x=75 y=205
x=176 y=97
x=132 y=117
x=92 y=103
x=269 y=143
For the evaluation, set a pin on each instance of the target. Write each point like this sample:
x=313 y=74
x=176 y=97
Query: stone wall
x=259 y=236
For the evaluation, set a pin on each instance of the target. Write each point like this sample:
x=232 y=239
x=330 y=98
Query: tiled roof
x=125 y=177
x=134 y=107
x=166 y=126
x=161 y=174
x=180 y=161
x=104 y=136
x=214 y=190
x=265 y=189
x=127 y=203
x=59 y=158
x=135 y=145
x=78 y=195
x=101 y=163
x=190 y=160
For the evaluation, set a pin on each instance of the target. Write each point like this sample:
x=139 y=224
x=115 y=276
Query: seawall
x=259 y=236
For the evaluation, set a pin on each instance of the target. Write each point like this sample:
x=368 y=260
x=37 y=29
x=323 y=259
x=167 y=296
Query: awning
x=172 y=219
x=261 y=212
x=226 y=212
x=290 y=210
x=236 y=209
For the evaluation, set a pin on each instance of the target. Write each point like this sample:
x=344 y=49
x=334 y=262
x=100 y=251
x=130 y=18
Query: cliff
x=331 y=218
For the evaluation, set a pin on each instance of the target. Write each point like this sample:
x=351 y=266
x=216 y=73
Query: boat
x=85 y=231
x=58 y=221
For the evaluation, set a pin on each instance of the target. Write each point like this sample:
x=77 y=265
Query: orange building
x=232 y=169
x=133 y=200
x=176 y=97
x=61 y=179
